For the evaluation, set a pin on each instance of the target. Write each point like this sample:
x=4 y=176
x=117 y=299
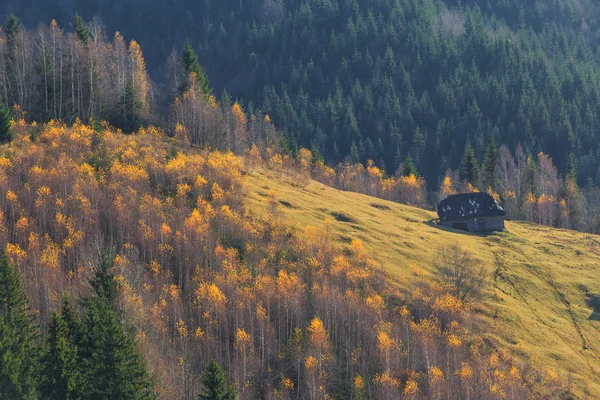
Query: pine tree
x=12 y=26
x=191 y=65
x=5 y=118
x=571 y=173
x=113 y=366
x=489 y=165
x=72 y=319
x=215 y=385
x=81 y=29
x=17 y=334
x=469 y=167
x=60 y=374
x=409 y=168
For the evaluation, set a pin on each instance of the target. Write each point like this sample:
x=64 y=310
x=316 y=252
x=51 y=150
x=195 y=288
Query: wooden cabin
x=473 y=212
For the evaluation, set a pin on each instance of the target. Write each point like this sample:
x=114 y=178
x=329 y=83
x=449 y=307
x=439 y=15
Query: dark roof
x=469 y=205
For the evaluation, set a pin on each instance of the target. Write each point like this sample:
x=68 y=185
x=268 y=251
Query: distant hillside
x=543 y=301
x=382 y=80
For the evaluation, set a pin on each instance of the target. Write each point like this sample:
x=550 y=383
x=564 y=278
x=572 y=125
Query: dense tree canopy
x=383 y=79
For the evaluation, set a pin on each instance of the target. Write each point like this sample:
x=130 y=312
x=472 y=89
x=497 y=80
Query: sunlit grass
x=543 y=283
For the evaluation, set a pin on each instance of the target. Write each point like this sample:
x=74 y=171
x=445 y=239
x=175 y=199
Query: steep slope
x=543 y=282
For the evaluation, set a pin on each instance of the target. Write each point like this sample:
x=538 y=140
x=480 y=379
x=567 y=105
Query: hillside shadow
x=593 y=301
x=433 y=224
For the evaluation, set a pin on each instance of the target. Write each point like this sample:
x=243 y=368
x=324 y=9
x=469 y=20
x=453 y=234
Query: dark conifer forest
x=359 y=80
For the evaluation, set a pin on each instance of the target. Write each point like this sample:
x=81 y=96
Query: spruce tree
x=5 y=118
x=60 y=374
x=214 y=384
x=489 y=165
x=17 y=334
x=571 y=173
x=191 y=65
x=112 y=364
x=409 y=167
x=81 y=29
x=12 y=26
x=469 y=167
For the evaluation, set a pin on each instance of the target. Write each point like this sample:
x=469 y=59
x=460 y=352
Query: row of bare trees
x=53 y=74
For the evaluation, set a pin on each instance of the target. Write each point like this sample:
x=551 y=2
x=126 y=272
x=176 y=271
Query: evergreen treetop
x=81 y=29
x=571 y=172
x=409 y=167
x=60 y=374
x=191 y=65
x=18 y=352
x=113 y=366
x=469 y=167
x=5 y=121
x=214 y=384
x=489 y=165
x=12 y=26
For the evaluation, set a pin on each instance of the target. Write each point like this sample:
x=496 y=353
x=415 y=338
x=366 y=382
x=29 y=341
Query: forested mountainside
x=167 y=269
x=134 y=264
x=382 y=80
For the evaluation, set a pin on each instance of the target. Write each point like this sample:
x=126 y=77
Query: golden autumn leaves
x=282 y=308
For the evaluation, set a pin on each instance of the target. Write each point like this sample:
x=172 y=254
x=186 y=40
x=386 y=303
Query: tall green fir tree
x=468 y=171
x=61 y=377
x=409 y=167
x=190 y=63
x=571 y=171
x=81 y=29
x=113 y=366
x=18 y=352
x=12 y=26
x=214 y=384
x=5 y=122
x=489 y=166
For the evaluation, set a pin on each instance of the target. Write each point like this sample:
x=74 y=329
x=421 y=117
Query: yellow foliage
x=11 y=197
x=22 y=224
x=287 y=383
x=199 y=333
x=411 y=388
x=436 y=375
x=385 y=342
x=495 y=195
x=359 y=383
x=15 y=253
x=454 y=341
x=211 y=295
x=448 y=303
x=471 y=189
x=181 y=328
x=50 y=257
x=375 y=302
x=243 y=340
x=216 y=192
x=465 y=371
x=447 y=187
x=310 y=363
x=386 y=379
x=238 y=113
x=317 y=334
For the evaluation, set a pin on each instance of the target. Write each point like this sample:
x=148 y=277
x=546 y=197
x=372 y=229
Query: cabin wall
x=484 y=224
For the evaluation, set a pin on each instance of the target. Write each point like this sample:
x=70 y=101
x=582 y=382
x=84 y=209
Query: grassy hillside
x=544 y=283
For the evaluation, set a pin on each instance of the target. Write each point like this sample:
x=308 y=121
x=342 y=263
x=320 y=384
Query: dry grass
x=544 y=281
